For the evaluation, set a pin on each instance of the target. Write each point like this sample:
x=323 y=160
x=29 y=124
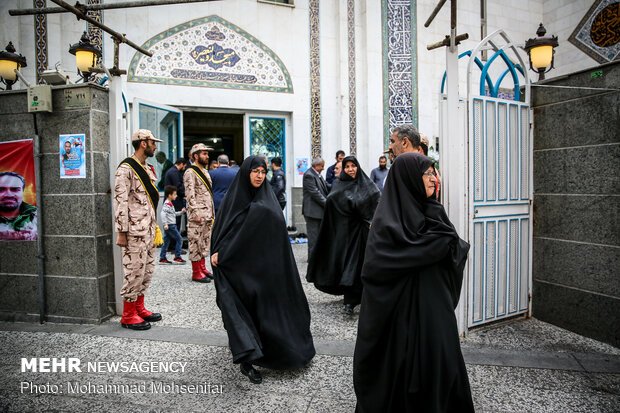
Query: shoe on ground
x=204 y=279
x=348 y=309
x=179 y=260
x=164 y=261
x=139 y=326
x=248 y=370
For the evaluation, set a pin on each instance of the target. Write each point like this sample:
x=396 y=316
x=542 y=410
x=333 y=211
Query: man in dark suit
x=315 y=194
x=222 y=177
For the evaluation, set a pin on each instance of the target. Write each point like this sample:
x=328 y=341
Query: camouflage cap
x=199 y=147
x=424 y=139
x=144 y=134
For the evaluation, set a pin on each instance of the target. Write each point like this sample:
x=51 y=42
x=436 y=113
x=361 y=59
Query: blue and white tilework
x=210 y=52
x=400 y=95
x=598 y=34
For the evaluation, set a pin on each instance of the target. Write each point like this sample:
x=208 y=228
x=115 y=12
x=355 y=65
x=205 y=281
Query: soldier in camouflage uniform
x=200 y=211
x=135 y=222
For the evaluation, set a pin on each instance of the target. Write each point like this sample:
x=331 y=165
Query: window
x=290 y=3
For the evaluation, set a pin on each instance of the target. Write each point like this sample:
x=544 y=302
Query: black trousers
x=313 y=225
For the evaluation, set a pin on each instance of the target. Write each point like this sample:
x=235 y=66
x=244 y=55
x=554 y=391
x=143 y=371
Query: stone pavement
x=515 y=366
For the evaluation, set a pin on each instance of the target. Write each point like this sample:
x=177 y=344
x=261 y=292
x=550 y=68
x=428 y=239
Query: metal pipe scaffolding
x=118 y=36
x=91 y=7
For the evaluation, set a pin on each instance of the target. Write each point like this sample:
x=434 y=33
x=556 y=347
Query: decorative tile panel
x=40 y=38
x=351 y=60
x=210 y=52
x=315 y=79
x=598 y=33
x=400 y=87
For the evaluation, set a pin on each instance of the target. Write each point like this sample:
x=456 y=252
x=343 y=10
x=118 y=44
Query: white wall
x=560 y=19
x=285 y=30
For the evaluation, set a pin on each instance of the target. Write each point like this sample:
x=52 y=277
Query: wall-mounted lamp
x=540 y=50
x=86 y=55
x=9 y=62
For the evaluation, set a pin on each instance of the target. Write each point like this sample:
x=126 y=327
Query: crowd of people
x=383 y=242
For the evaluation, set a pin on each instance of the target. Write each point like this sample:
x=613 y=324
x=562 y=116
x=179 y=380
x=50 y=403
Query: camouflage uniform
x=199 y=204
x=134 y=215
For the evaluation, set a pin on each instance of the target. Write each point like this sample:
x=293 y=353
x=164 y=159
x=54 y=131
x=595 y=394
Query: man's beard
x=6 y=207
x=149 y=152
x=382 y=167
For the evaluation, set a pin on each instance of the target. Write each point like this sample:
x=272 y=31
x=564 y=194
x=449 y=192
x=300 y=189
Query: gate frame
x=499 y=43
x=457 y=156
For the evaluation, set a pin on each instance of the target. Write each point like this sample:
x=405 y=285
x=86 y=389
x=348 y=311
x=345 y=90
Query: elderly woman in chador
x=407 y=355
x=264 y=308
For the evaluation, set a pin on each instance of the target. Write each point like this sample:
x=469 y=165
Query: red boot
x=203 y=268
x=197 y=274
x=131 y=319
x=144 y=313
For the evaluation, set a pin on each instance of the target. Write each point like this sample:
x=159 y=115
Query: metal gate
x=267 y=137
x=500 y=185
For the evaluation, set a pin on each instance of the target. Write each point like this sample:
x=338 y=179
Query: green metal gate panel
x=267 y=137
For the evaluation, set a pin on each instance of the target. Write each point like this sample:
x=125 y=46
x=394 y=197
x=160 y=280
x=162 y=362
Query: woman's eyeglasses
x=259 y=171
x=430 y=173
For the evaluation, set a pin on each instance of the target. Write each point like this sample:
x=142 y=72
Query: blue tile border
x=352 y=80
x=40 y=39
x=400 y=83
x=315 y=78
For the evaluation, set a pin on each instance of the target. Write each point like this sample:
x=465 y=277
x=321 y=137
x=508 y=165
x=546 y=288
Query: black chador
x=264 y=308
x=336 y=262
x=407 y=355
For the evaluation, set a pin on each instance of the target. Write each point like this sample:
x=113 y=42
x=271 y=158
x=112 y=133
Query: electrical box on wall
x=40 y=98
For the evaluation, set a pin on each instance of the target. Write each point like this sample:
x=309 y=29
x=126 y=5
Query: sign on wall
x=301 y=164
x=18 y=210
x=72 y=159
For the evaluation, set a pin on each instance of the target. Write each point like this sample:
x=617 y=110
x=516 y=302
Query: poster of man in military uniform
x=18 y=210
x=200 y=211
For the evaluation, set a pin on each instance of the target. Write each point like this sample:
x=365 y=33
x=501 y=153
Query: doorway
x=221 y=131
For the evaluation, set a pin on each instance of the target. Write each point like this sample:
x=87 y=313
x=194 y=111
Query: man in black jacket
x=315 y=194
x=278 y=181
x=330 y=171
x=174 y=177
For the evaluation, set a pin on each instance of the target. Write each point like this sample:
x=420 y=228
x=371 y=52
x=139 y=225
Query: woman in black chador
x=264 y=308
x=407 y=356
x=336 y=262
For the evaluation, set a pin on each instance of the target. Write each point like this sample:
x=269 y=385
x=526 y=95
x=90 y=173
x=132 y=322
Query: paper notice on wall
x=301 y=165
x=72 y=159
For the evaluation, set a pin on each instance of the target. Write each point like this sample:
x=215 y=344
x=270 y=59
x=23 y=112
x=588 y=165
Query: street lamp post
x=9 y=63
x=541 y=51
x=86 y=55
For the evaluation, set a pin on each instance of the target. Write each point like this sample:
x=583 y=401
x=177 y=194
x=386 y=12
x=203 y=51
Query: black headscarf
x=264 y=308
x=337 y=258
x=407 y=354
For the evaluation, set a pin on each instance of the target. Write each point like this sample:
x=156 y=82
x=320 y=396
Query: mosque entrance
x=221 y=131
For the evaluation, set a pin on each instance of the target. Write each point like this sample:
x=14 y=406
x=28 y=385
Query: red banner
x=18 y=212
